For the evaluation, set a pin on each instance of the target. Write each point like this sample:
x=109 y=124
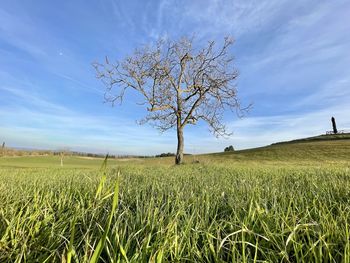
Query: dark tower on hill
x=335 y=131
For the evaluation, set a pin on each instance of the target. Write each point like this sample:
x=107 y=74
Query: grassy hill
x=318 y=148
x=323 y=137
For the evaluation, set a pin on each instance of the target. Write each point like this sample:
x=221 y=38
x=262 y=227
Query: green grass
x=282 y=203
x=51 y=162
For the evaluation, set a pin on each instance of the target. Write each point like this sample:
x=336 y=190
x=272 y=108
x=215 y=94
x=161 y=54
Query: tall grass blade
x=104 y=177
x=98 y=250
x=70 y=247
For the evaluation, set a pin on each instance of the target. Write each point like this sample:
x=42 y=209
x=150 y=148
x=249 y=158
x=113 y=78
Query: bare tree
x=63 y=152
x=179 y=83
x=3 y=149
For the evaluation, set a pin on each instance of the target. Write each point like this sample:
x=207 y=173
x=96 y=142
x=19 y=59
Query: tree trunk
x=180 y=146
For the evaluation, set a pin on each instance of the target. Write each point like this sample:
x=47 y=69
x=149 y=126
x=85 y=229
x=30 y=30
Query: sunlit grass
x=191 y=213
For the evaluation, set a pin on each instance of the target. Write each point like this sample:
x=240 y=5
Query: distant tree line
x=6 y=151
x=165 y=155
x=83 y=154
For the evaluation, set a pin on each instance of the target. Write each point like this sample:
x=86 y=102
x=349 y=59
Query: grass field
x=283 y=203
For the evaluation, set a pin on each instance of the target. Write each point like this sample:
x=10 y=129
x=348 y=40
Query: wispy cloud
x=42 y=123
x=16 y=32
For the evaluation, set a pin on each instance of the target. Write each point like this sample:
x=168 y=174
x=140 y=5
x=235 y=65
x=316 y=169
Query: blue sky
x=293 y=58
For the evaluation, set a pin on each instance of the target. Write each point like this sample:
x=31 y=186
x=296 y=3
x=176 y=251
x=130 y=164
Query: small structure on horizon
x=335 y=129
x=334 y=125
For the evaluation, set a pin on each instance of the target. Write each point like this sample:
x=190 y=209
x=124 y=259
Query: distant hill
x=324 y=137
x=318 y=148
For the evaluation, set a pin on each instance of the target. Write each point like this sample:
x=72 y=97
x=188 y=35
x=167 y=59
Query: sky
x=293 y=58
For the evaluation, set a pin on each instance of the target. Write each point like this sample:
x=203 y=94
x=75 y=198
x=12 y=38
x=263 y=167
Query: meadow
x=282 y=203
